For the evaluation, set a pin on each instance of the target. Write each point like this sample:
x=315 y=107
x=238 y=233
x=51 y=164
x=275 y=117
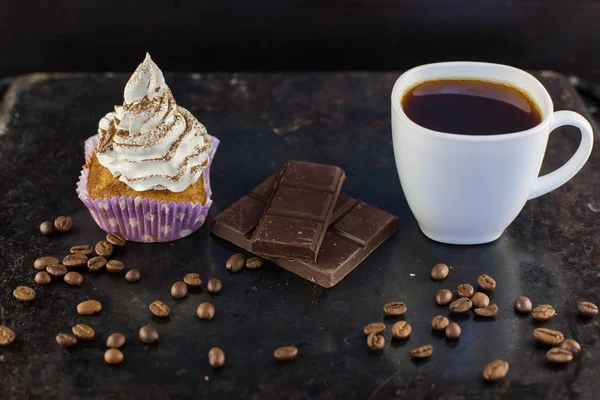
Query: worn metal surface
x=551 y=253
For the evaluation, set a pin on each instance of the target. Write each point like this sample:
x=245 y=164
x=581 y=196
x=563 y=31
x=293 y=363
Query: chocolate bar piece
x=298 y=212
x=356 y=229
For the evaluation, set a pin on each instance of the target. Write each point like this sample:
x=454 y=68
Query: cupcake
x=147 y=170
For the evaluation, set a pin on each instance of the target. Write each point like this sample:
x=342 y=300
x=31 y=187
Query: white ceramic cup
x=466 y=189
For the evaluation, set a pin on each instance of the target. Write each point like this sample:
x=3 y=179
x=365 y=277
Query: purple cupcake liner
x=143 y=220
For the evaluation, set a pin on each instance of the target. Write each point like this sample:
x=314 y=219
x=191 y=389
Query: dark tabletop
x=551 y=253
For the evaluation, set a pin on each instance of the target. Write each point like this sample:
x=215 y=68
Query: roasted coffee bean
x=205 y=311
x=89 y=307
x=495 y=371
x=486 y=282
x=148 y=334
x=63 y=224
x=461 y=305
x=375 y=327
x=83 y=332
x=422 y=352
x=133 y=275
x=214 y=285
x=375 y=341
x=179 y=290
x=439 y=272
x=73 y=278
x=56 y=271
x=254 y=263
x=489 y=311
x=159 y=309
x=571 y=345
x=46 y=228
x=401 y=330
x=588 y=309
x=75 y=260
x=443 y=297
x=82 y=249
x=216 y=357
x=7 y=336
x=95 y=264
x=42 y=278
x=192 y=279
x=523 y=305
x=24 y=293
x=66 y=340
x=453 y=330
x=116 y=341
x=480 y=300
x=548 y=336
x=439 y=322
x=116 y=239
x=465 y=290
x=115 y=266
x=543 y=312
x=113 y=356
x=103 y=248
x=236 y=262
x=285 y=353
x=41 y=263
x=559 y=356
x=394 y=308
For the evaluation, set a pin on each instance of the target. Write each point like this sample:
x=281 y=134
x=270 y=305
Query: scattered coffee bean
x=254 y=263
x=89 y=307
x=205 y=311
x=571 y=345
x=7 y=336
x=56 y=271
x=63 y=224
x=83 y=332
x=285 y=353
x=24 y=293
x=401 y=330
x=95 y=264
x=523 y=305
x=439 y=322
x=461 y=305
x=375 y=341
x=548 y=336
x=465 y=290
x=133 y=275
x=394 y=308
x=41 y=263
x=113 y=356
x=453 y=330
x=73 y=278
x=82 y=249
x=159 y=309
x=543 y=312
x=179 y=290
x=148 y=334
x=439 y=272
x=216 y=357
x=495 y=371
x=214 y=285
x=480 y=300
x=103 y=248
x=236 y=262
x=42 y=278
x=422 y=352
x=443 y=297
x=588 y=309
x=115 y=266
x=46 y=228
x=489 y=311
x=116 y=341
x=192 y=279
x=375 y=327
x=486 y=282
x=116 y=239
x=559 y=356
x=66 y=340
x=75 y=260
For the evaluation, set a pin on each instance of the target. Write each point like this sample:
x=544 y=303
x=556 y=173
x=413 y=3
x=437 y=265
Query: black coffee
x=470 y=107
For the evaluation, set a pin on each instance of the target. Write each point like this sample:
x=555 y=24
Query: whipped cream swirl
x=150 y=142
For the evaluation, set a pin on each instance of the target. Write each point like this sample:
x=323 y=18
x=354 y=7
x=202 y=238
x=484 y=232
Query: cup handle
x=553 y=180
